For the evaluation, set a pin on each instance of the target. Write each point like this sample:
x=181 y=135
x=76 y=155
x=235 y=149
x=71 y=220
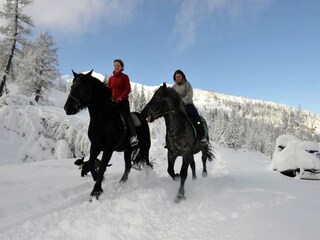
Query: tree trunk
x=3 y=84
x=37 y=95
x=13 y=48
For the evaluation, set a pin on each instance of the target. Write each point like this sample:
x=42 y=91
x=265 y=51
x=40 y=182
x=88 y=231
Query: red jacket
x=120 y=85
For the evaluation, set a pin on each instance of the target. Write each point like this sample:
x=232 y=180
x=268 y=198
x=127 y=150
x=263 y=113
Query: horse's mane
x=177 y=100
x=100 y=87
x=99 y=90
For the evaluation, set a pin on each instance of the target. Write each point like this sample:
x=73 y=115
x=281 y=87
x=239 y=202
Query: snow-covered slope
x=242 y=197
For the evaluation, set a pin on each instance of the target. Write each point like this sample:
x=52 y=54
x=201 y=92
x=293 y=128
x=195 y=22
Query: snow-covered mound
x=32 y=132
x=292 y=155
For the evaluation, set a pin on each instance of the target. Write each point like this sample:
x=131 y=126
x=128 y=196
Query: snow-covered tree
x=135 y=98
x=219 y=123
x=231 y=136
x=38 y=67
x=18 y=26
x=141 y=102
x=132 y=97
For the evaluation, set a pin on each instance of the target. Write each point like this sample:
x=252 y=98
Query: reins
x=187 y=118
x=79 y=103
x=158 y=115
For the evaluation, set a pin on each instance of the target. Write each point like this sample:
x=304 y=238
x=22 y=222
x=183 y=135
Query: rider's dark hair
x=119 y=61
x=179 y=72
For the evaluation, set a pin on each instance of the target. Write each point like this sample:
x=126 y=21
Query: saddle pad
x=135 y=119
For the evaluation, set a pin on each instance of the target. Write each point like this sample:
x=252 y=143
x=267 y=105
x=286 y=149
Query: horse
x=107 y=130
x=181 y=138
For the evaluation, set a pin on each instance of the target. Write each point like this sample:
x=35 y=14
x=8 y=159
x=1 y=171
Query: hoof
x=179 y=198
x=123 y=180
x=204 y=174
x=194 y=177
x=95 y=194
x=176 y=177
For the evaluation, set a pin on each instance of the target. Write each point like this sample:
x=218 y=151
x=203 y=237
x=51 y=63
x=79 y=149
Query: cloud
x=71 y=16
x=194 y=13
x=186 y=22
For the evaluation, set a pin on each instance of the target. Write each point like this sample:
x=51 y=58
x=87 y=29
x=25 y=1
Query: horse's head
x=79 y=96
x=163 y=101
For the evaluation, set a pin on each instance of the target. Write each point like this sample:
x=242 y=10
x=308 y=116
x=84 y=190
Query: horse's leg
x=183 y=177
x=94 y=152
x=97 y=189
x=193 y=168
x=127 y=160
x=204 y=157
x=145 y=157
x=171 y=161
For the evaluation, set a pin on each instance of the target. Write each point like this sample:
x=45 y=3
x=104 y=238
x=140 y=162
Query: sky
x=260 y=49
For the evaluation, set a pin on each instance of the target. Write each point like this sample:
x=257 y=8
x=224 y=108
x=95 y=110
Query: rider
x=185 y=90
x=119 y=84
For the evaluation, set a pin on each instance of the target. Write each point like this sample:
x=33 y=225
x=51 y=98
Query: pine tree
x=135 y=98
x=219 y=126
x=284 y=122
x=141 y=101
x=132 y=98
x=17 y=28
x=231 y=135
x=38 y=67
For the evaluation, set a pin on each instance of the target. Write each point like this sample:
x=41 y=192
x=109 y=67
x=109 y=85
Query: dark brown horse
x=181 y=139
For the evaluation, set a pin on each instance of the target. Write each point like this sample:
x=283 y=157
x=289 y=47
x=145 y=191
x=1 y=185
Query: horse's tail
x=140 y=158
x=210 y=154
x=136 y=159
x=140 y=155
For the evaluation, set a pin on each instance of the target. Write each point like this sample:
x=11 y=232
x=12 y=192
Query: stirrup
x=204 y=141
x=134 y=141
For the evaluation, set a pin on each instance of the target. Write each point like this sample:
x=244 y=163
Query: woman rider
x=119 y=84
x=185 y=90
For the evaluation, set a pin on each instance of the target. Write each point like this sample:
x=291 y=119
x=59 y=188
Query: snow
x=241 y=198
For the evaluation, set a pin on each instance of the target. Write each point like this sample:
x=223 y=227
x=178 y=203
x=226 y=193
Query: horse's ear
x=164 y=85
x=74 y=73
x=89 y=73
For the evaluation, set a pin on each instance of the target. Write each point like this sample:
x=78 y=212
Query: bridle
x=79 y=104
x=158 y=115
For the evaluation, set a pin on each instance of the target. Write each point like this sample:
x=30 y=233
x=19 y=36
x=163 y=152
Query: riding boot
x=134 y=139
x=201 y=133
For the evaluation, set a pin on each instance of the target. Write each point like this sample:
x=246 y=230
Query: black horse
x=181 y=137
x=107 y=131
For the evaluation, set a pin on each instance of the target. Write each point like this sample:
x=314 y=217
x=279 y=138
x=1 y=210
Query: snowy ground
x=240 y=199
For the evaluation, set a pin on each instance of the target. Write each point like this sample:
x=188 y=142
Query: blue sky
x=261 y=49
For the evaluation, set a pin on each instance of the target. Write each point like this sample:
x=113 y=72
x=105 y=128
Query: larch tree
x=18 y=26
x=38 y=67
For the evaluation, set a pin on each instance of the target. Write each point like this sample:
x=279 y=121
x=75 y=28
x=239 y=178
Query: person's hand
x=118 y=100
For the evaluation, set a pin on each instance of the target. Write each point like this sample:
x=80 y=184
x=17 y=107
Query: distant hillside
x=269 y=112
x=239 y=122
x=234 y=122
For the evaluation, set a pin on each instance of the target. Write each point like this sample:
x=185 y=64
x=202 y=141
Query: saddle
x=195 y=129
x=135 y=119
